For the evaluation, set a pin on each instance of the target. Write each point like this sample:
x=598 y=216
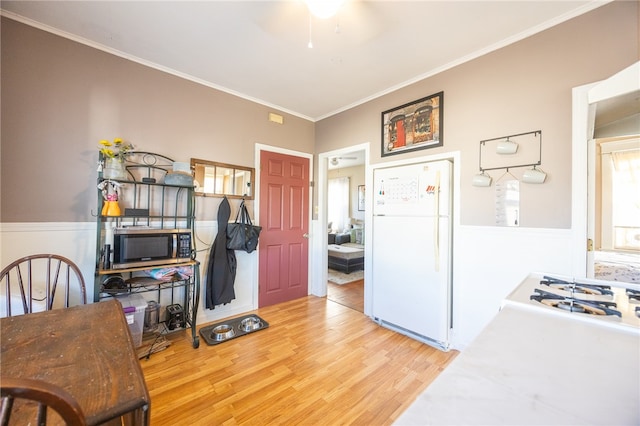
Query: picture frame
x=413 y=126
x=360 y=198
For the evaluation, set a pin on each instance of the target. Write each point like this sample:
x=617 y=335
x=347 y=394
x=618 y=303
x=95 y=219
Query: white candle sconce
x=509 y=152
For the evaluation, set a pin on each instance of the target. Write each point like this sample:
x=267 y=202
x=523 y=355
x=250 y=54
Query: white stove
x=553 y=355
x=607 y=303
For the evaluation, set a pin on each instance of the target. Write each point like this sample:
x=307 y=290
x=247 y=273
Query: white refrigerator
x=411 y=250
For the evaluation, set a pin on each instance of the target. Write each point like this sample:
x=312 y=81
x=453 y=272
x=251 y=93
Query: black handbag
x=242 y=234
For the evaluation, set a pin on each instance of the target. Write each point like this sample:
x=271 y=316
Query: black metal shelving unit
x=163 y=206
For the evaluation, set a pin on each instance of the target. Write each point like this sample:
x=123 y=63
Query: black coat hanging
x=221 y=270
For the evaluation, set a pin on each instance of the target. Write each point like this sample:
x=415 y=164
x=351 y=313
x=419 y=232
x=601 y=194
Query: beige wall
x=59 y=98
x=520 y=88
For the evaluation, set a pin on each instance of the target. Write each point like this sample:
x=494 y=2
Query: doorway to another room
x=605 y=177
x=617 y=213
x=345 y=228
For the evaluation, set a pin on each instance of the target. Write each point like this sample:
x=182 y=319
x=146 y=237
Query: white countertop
x=532 y=368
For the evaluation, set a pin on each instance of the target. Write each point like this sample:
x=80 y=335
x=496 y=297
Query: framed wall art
x=413 y=126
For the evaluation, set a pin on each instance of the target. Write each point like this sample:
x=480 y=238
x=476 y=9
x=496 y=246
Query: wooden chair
x=45 y=395
x=31 y=283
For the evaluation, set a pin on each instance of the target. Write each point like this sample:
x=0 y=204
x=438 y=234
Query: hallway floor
x=350 y=295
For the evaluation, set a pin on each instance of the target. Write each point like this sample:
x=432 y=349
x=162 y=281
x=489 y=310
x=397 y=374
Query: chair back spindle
x=30 y=284
x=44 y=395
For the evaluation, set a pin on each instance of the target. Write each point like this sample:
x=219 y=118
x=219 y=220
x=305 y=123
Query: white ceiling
x=258 y=49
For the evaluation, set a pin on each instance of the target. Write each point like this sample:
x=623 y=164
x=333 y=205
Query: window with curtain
x=620 y=195
x=338 y=204
x=625 y=193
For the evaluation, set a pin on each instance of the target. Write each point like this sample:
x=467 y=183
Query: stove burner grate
x=633 y=294
x=590 y=307
x=575 y=287
x=571 y=307
x=232 y=328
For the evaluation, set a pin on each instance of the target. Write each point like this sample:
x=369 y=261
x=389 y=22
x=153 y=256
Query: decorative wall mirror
x=219 y=179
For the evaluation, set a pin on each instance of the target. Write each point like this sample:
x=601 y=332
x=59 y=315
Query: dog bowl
x=250 y=324
x=229 y=329
x=222 y=332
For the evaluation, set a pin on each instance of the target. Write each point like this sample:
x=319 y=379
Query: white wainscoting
x=489 y=262
x=76 y=240
x=246 y=275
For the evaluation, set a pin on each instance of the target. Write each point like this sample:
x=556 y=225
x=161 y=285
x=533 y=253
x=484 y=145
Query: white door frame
x=256 y=207
x=320 y=274
x=583 y=118
x=583 y=182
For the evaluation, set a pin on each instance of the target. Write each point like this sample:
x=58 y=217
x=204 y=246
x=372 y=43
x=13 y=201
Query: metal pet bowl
x=250 y=324
x=229 y=329
x=222 y=332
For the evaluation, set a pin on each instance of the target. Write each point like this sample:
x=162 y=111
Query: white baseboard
x=77 y=241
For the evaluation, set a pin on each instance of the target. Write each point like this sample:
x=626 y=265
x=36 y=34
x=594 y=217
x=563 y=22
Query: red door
x=284 y=217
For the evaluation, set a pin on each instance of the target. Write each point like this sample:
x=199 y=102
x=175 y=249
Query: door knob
x=305 y=235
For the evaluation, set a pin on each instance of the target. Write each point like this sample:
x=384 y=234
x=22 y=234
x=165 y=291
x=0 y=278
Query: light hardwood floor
x=350 y=295
x=318 y=363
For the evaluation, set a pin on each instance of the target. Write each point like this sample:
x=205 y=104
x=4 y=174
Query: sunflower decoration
x=118 y=149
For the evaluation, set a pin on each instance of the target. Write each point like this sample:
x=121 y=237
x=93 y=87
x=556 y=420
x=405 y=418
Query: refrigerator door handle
x=436 y=222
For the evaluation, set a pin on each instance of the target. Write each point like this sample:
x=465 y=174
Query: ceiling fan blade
x=282 y=19
x=362 y=21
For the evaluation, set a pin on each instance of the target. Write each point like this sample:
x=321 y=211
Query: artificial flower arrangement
x=113 y=156
x=117 y=149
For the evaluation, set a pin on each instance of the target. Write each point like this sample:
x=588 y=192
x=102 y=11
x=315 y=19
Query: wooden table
x=88 y=351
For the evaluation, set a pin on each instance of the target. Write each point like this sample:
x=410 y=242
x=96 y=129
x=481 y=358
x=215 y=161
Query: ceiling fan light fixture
x=324 y=9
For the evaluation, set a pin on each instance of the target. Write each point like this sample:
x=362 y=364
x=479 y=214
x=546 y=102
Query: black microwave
x=139 y=247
